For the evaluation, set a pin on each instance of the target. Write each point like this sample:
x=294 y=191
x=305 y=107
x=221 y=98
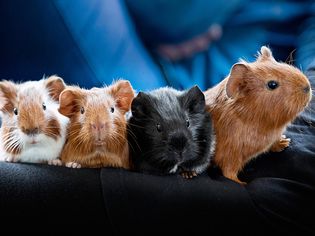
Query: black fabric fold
x=48 y=199
x=147 y=204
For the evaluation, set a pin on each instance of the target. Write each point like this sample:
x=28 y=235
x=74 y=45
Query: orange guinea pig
x=97 y=133
x=251 y=108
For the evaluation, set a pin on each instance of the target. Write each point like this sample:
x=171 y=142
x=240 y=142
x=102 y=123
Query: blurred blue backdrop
x=153 y=43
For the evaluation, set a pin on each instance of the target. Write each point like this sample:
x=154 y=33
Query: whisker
x=137 y=126
x=290 y=59
x=13 y=145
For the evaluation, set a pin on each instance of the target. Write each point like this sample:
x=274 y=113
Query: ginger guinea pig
x=97 y=131
x=251 y=108
x=170 y=132
x=32 y=128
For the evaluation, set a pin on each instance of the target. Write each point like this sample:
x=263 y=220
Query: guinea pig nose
x=31 y=131
x=307 y=89
x=97 y=126
x=178 y=142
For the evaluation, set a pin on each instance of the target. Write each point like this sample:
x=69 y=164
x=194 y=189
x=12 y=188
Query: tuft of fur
x=32 y=128
x=169 y=132
x=249 y=118
x=97 y=131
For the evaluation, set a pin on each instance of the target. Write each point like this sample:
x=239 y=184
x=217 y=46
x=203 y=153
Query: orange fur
x=249 y=118
x=35 y=119
x=97 y=138
x=52 y=129
x=55 y=86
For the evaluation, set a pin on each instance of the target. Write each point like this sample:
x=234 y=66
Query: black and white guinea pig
x=170 y=132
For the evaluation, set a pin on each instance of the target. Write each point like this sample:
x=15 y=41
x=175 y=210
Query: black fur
x=158 y=136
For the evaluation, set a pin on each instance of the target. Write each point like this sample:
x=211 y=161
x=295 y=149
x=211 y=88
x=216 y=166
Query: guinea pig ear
x=265 y=54
x=55 y=86
x=236 y=80
x=123 y=94
x=140 y=105
x=8 y=94
x=68 y=102
x=194 y=100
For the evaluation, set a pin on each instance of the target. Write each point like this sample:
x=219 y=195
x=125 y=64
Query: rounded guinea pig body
x=251 y=109
x=170 y=132
x=32 y=128
x=97 y=131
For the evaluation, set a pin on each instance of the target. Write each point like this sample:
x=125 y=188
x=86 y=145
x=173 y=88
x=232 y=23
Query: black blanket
x=279 y=196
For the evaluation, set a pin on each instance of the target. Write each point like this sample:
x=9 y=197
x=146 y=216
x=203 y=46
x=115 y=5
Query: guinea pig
x=251 y=109
x=32 y=128
x=170 y=132
x=97 y=133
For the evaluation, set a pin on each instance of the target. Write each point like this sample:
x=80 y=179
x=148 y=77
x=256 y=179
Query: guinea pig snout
x=98 y=129
x=307 y=89
x=178 y=142
x=31 y=130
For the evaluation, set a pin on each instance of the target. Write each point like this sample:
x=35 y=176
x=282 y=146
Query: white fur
x=46 y=148
x=203 y=167
x=174 y=169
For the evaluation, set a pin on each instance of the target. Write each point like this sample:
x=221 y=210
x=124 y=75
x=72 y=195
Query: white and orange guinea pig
x=97 y=133
x=32 y=128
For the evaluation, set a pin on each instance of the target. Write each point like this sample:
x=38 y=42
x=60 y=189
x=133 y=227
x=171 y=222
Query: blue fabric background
x=91 y=43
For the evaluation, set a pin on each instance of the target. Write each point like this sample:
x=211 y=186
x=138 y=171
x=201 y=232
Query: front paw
x=188 y=174
x=55 y=162
x=73 y=165
x=10 y=159
x=281 y=144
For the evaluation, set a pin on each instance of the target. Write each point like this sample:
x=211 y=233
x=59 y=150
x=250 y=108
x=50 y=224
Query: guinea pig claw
x=55 y=162
x=281 y=144
x=73 y=165
x=188 y=174
x=183 y=174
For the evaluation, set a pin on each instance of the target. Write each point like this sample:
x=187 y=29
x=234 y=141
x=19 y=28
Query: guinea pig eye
x=187 y=123
x=158 y=127
x=44 y=106
x=112 y=109
x=82 y=110
x=272 y=84
x=15 y=110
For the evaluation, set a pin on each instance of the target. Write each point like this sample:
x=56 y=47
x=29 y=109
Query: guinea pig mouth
x=178 y=155
x=33 y=140
x=99 y=143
